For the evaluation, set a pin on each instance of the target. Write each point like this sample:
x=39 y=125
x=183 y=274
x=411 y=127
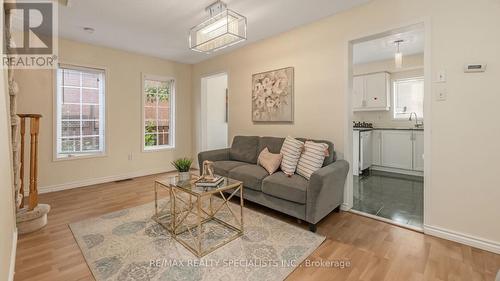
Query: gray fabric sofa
x=308 y=200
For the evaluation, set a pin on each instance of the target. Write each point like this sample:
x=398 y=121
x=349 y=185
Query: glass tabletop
x=190 y=186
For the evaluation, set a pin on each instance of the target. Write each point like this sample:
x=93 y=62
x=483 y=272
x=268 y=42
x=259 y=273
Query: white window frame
x=172 y=133
x=393 y=85
x=57 y=114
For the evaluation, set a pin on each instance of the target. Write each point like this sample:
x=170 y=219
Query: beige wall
x=412 y=67
x=123 y=106
x=463 y=195
x=7 y=205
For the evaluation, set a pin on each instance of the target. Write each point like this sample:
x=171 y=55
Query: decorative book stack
x=209 y=182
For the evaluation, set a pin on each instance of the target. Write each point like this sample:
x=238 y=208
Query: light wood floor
x=376 y=250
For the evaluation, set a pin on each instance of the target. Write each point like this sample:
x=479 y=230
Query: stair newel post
x=34 y=130
x=21 y=162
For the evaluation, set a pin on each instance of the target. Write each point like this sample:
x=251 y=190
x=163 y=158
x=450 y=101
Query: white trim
x=171 y=134
x=398 y=171
x=12 y=265
x=473 y=241
x=348 y=151
x=389 y=221
x=55 y=117
x=87 y=182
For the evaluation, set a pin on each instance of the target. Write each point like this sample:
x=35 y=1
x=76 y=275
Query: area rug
x=129 y=245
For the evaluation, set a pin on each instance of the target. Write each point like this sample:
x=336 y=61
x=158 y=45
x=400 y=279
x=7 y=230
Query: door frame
x=203 y=107
x=428 y=96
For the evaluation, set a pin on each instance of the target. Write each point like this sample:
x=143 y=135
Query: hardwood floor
x=375 y=250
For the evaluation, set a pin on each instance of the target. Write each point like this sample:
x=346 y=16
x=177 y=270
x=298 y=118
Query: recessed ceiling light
x=89 y=30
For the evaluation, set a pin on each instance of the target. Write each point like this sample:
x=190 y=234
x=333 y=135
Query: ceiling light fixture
x=398 y=57
x=222 y=29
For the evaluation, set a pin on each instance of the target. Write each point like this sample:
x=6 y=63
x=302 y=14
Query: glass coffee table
x=200 y=218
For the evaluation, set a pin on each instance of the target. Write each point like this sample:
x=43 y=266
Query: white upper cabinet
x=397 y=149
x=418 y=151
x=371 y=92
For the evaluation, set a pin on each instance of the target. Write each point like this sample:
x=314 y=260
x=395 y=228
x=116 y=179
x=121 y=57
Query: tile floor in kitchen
x=392 y=196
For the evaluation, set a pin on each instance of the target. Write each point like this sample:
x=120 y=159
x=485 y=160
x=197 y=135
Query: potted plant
x=182 y=165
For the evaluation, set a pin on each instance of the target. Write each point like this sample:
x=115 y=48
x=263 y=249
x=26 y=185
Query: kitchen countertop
x=387 y=128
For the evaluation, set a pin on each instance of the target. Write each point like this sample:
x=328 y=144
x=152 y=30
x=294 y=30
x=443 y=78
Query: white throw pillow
x=291 y=151
x=312 y=158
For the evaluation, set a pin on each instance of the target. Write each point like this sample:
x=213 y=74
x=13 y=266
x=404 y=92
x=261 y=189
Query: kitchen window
x=408 y=98
x=158 y=112
x=80 y=112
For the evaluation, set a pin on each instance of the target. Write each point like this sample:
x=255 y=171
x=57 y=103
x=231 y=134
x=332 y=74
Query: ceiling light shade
x=398 y=56
x=223 y=29
x=398 y=60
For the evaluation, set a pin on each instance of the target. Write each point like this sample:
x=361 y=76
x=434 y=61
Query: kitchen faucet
x=417 y=125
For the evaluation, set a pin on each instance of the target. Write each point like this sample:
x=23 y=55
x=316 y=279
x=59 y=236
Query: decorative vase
x=184 y=176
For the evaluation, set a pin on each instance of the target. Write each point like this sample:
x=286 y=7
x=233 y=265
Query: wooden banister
x=34 y=131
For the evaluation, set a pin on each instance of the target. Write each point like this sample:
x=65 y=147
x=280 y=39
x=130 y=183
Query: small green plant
x=182 y=164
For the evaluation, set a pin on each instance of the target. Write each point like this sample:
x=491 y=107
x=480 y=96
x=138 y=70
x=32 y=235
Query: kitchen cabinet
x=376 y=147
x=418 y=150
x=362 y=151
x=366 y=150
x=397 y=149
x=371 y=92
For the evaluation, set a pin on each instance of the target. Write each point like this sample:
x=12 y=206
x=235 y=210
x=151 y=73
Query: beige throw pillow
x=269 y=161
x=291 y=151
x=312 y=158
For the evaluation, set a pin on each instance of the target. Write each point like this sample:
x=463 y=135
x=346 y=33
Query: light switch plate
x=441 y=94
x=441 y=76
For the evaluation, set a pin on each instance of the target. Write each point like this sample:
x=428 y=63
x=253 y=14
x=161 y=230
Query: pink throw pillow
x=269 y=161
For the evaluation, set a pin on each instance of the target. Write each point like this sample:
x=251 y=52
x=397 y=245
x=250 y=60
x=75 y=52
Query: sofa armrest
x=326 y=190
x=213 y=155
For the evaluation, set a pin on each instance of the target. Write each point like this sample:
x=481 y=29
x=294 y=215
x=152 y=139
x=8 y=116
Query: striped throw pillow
x=312 y=158
x=291 y=151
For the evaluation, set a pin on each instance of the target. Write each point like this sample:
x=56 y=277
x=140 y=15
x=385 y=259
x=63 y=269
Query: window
x=408 y=98
x=158 y=112
x=80 y=111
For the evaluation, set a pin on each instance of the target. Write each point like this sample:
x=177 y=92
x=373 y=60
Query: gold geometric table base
x=186 y=216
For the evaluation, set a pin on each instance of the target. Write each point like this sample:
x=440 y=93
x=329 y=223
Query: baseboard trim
x=345 y=207
x=12 y=265
x=87 y=182
x=469 y=240
x=398 y=171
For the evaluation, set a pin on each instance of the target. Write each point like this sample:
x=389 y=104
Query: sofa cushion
x=331 y=152
x=289 y=188
x=272 y=143
x=244 y=149
x=222 y=168
x=250 y=175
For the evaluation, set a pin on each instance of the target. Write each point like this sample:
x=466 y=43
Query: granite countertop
x=387 y=128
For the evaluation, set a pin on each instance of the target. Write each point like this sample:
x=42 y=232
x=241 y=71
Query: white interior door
x=214 y=112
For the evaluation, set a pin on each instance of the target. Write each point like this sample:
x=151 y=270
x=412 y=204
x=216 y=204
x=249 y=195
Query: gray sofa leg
x=337 y=210
x=312 y=227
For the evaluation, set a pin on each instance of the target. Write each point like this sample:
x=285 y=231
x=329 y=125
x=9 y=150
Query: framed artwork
x=272 y=96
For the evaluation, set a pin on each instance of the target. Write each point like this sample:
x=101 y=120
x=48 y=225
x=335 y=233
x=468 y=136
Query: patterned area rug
x=128 y=245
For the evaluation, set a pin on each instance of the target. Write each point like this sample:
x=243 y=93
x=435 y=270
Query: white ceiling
x=160 y=27
x=384 y=48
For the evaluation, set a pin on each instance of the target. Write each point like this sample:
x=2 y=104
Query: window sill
x=78 y=157
x=158 y=148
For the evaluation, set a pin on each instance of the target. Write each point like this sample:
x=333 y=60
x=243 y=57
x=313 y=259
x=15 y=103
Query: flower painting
x=272 y=96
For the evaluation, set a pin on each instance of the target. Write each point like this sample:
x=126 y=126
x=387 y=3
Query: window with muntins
x=158 y=96
x=80 y=111
x=408 y=98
